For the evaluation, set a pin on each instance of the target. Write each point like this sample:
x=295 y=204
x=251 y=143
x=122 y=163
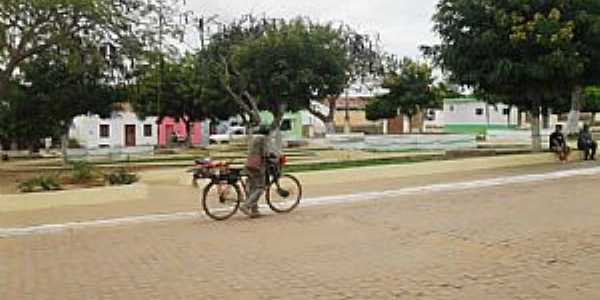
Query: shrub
x=82 y=172
x=73 y=144
x=41 y=183
x=121 y=177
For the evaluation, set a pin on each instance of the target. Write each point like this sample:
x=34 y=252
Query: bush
x=82 y=172
x=73 y=144
x=121 y=177
x=41 y=183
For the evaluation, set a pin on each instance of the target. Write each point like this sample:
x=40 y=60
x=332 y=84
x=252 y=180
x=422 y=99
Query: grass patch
x=300 y=168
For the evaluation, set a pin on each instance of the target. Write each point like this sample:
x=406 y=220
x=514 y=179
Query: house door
x=130 y=135
x=169 y=133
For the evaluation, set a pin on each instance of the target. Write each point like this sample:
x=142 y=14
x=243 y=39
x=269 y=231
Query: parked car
x=233 y=133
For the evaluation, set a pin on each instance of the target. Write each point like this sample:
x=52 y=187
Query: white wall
x=456 y=112
x=86 y=129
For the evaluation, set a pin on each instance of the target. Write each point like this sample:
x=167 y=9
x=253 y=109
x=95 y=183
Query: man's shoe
x=253 y=213
x=246 y=210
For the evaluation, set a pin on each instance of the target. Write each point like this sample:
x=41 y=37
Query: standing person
x=586 y=143
x=558 y=144
x=256 y=166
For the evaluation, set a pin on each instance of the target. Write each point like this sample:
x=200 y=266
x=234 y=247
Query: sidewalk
x=177 y=181
x=180 y=177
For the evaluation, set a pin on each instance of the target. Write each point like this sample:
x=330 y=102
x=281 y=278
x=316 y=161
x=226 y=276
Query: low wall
x=516 y=136
x=81 y=197
x=109 y=152
x=405 y=142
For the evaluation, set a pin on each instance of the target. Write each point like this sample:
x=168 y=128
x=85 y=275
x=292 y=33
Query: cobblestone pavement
x=169 y=198
x=527 y=241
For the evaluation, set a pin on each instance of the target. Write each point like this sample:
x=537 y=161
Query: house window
x=104 y=131
x=430 y=115
x=286 y=125
x=479 y=111
x=506 y=111
x=451 y=107
x=147 y=130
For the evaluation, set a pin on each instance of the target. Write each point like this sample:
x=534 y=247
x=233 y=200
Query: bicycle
x=228 y=187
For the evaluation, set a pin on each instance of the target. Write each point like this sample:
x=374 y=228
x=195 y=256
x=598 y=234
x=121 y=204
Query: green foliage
x=59 y=88
x=531 y=49
x=41 y=183
x=181 y=93
x=379 y=109
x=121 y=177
x=73 y=143
x=530 y=53
x=83 y=172
x=282 y=65
x=69 y=25
x=591 y=101
x=410 y=90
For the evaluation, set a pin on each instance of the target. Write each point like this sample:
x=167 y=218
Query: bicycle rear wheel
x=284 y=195
x=220 y=201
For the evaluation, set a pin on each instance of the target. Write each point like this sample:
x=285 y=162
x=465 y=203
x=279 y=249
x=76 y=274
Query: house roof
x=461 y=100
x=354 y=103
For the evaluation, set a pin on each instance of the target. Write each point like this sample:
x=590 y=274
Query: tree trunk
x=410 y=123
x=573 y=121
x=275 y=131
x=189 y=127
x=421 y=122
x=593 y=119
x=508 y=115
x=519 y=118
x=545 y=118
x=347 y=125
x=64 y=145
x=536 y=137
x=3 y=85
x=327 y=119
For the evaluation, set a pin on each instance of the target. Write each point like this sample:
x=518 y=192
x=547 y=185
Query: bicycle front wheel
x=220 y=201
x=284 y=194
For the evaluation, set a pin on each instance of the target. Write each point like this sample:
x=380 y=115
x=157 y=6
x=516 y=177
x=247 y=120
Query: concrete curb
x=83 y=197
x=179 y=177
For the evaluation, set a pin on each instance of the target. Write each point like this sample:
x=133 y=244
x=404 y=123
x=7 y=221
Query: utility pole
x=162 y=60
x=347 y=127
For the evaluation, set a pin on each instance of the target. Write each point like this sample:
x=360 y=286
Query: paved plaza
x=534 y=240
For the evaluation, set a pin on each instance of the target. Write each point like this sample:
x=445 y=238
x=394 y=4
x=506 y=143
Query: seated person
x=586 y=143
x=558 y=144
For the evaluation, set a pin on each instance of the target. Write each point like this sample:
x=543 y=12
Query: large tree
x=278 y=66
x=411 y=91
x=57 y=87
x=181 y=90
x=359 y=56
x=527 y=51
x=32 y=27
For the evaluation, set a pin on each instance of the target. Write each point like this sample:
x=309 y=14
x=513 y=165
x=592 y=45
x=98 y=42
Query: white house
x=472 y=115
x=123 y=132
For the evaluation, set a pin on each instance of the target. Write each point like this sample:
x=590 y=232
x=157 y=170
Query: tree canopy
x=527 y=51
x=411 y=90
x=29 y=28
x=278 y=65
x=56 y=88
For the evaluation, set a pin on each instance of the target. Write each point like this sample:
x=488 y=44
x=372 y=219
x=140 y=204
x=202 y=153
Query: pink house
x=170 y=127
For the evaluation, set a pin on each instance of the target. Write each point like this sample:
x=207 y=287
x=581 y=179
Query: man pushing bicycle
x=256 y=166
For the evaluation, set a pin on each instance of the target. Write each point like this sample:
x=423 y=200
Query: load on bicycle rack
x=228 y=188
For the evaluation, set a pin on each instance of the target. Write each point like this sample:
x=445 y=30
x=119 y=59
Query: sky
x=403 y=25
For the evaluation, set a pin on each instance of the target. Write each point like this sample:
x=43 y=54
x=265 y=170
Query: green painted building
x=470 y=115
